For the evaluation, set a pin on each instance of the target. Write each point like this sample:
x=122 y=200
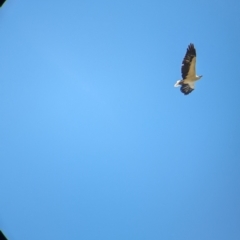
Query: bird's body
x=188 y=69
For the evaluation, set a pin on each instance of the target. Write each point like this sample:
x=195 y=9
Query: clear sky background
x=96 y=143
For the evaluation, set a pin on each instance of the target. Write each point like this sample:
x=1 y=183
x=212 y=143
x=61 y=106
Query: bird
x=188 y=70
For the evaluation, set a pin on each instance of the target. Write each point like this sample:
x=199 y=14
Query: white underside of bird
x=189 y=81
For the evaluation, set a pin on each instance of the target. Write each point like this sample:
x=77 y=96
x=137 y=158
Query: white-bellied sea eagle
x=189 y=76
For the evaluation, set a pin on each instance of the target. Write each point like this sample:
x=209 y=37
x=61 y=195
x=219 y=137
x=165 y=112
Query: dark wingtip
x=185 y=89
x=191 y=46
x=2 y=237
x=2 y=2
x=191 y=49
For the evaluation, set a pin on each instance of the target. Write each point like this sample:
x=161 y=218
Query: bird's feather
x=189 y=62
x=186 y=89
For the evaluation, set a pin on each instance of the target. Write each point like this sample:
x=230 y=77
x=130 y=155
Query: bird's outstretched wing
x=189 y=62
x=187 y=88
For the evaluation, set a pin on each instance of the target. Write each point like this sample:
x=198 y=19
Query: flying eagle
x=189 y=76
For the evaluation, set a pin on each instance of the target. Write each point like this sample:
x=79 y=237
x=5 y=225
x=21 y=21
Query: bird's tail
x=178 y=83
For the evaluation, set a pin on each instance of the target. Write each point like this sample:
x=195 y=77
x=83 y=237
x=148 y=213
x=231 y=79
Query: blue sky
x=96 y=143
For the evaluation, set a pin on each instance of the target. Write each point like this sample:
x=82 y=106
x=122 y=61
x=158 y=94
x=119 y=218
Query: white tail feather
x=177 y=83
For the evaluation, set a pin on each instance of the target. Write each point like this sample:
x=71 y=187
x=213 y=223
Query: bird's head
x=200 y=76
